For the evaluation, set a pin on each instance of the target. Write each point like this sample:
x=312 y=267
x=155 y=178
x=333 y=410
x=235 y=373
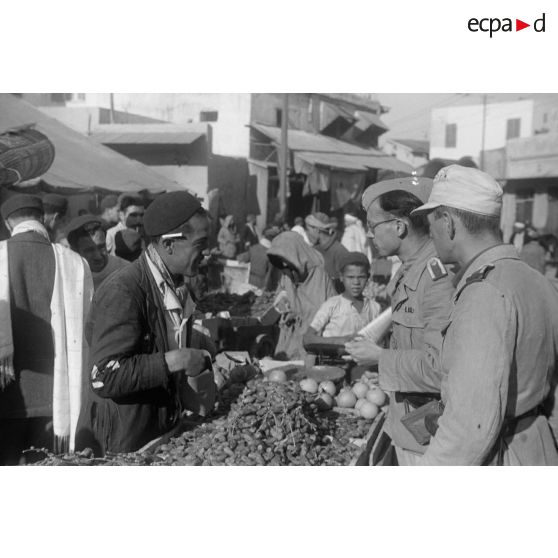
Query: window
x=209 y=116
x=513 y=128
x=451 y=135
x=279 y=117
x=61 y=97
x=80 y=96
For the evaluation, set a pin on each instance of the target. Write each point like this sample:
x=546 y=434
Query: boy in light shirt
x=342 y=316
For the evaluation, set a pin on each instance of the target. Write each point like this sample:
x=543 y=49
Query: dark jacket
x=249 y=237
x=131 y=397
x=31 y=265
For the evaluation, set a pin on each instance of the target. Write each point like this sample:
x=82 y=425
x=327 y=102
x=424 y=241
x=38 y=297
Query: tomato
x=278 y=376
x=328 y=387
x=360 y=389
x=376 y=396
x=369 y=410
x=346 y=399
x=309 y=385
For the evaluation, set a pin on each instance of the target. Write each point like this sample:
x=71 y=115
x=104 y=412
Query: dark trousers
x=17 y=435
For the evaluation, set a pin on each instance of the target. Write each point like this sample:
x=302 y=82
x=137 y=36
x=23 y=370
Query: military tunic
x=498 y=364
x=421 y=307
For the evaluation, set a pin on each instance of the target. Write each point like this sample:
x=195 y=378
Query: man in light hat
x=322 y=234
x=141 y=335
x=420 y=294
x=130 y=216
x=45 y=292
x=109 y=211
x=499 y=351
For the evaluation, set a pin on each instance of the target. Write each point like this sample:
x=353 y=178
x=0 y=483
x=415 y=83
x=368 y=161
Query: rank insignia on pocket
x=436 y=269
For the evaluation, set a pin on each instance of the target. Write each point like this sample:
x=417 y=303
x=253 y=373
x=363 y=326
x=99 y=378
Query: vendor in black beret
x=144 y=353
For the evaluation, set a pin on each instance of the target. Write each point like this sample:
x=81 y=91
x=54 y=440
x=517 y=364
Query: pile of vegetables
x=261 y=422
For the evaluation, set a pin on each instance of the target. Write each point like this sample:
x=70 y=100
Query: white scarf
x=71 y=297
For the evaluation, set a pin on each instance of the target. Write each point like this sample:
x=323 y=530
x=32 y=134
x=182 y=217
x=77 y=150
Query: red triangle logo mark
x=519 y=25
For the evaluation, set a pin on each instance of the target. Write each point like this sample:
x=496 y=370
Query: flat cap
x=168 y=212
x=109 y=201
x=320 y=221
x=464 y=188
x=20 y=201
x=419 y=186
x=56 y=201
x=81 y=221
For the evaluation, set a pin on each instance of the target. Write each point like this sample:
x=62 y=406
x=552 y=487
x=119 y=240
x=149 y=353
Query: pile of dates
x=260 y=423
x=269 y=424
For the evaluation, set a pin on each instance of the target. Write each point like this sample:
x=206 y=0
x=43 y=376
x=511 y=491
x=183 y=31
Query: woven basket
x=25 y=153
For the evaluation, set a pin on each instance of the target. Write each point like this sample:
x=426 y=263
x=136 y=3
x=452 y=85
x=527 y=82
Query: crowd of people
x=99 y=347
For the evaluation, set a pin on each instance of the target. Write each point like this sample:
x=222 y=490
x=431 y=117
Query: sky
x=409 y=114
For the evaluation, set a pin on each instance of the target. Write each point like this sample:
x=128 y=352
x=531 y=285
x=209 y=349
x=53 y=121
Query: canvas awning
x=166 y=134
x=81 y=163
x=316 y=149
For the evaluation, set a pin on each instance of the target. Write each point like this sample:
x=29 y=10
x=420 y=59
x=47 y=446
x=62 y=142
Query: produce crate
x=364 y=458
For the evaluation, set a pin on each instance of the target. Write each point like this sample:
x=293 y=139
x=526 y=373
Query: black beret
x=169 y=212
x=353 y=258
x=21 y=201
x=56 y=201
x=81 y=221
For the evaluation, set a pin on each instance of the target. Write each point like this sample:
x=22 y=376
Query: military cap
x=419 y=186
x=20 y=201
x=57 y=202
x=464 y=188
x=168 y=212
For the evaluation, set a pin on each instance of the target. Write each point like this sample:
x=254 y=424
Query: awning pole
x=284 y=154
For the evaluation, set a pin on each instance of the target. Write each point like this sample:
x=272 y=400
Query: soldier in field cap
x=420 y=294
x=141 y=336
x=499 y=352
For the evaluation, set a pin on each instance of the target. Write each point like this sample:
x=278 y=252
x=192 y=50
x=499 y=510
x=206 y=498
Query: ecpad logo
x=493 y=25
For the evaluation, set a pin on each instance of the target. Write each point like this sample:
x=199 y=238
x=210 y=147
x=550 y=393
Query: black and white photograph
x=278 y=279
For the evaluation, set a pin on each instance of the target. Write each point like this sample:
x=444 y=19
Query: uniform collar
x=411 y=271
x=485 y=257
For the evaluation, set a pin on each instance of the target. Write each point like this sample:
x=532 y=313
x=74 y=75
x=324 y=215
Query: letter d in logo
x=539 y=24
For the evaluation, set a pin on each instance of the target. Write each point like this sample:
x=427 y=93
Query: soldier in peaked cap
x=499 y=352
x=420 y=299
x=141 y=336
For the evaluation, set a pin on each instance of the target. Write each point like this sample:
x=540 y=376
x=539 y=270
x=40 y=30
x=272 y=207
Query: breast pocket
x=408 y=328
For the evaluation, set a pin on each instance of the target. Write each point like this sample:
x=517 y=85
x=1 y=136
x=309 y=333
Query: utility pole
x=284 y=155
x=112 y=108
x=483 y=130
